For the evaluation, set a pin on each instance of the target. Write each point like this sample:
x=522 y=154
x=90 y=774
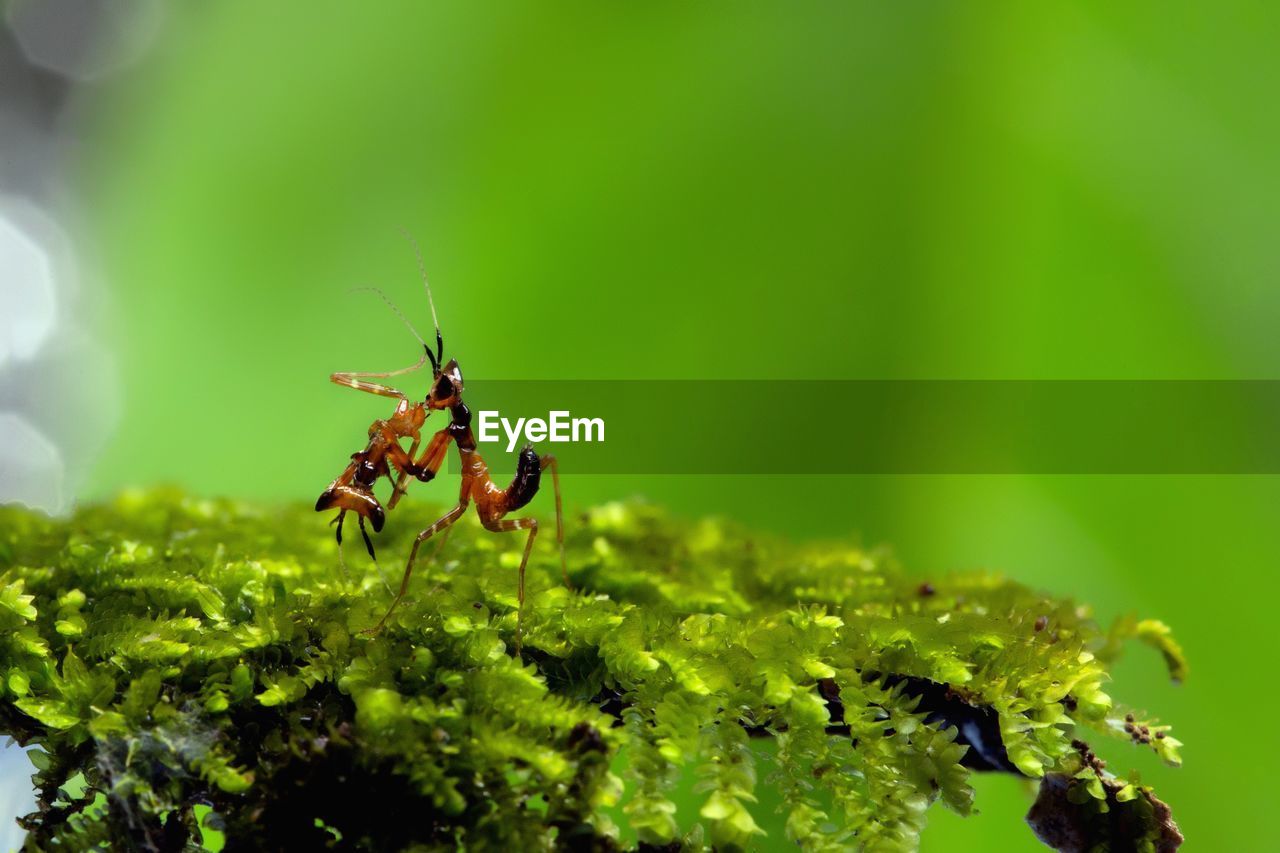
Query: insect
x=353 y=490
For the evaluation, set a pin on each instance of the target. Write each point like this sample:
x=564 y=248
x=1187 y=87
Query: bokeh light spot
x=84 y=39
x=31 y=469
x=27 y=304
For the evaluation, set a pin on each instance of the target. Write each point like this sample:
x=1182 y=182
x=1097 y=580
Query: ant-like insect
x=353 y=490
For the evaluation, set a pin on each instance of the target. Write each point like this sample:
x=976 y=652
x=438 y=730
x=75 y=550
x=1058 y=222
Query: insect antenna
x=426 y=349
x=422 y=268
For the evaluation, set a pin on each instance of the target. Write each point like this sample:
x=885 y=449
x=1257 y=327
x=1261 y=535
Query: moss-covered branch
x=168 y=653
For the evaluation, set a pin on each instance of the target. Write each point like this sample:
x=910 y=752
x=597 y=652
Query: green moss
x=176 y=652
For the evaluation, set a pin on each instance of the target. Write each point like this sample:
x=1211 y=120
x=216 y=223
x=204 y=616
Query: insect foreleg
x=354 y=379
x=433 y=456
x=351 y=380
x=398 y=491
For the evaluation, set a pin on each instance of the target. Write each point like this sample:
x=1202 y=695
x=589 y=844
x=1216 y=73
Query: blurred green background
x=669 y=190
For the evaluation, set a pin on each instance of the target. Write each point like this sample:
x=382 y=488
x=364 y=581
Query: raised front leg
x=433 y=457
x=398 y=491
x=425 y=468
x=354 y=379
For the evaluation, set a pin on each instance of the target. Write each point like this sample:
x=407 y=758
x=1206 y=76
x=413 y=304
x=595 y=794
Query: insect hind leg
x=549 y=461
x=443 y=523
x=510 y=525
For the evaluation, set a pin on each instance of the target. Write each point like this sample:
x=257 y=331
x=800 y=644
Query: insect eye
x=444 y=387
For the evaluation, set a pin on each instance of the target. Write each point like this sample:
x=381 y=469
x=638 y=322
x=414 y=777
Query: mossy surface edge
x=175 y=651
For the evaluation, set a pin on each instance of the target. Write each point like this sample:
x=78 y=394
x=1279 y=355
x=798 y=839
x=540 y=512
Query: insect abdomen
x=528 y=478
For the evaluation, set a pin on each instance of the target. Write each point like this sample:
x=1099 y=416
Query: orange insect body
x=353 y=490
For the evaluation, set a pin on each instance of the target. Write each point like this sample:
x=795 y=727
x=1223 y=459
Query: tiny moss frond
x=173 y=651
